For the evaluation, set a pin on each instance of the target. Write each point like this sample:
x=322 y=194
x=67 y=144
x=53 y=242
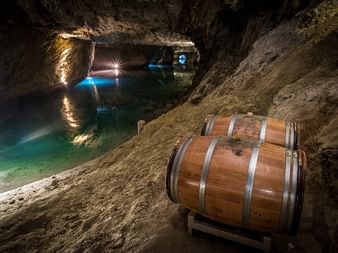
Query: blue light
x=89 y=81
x=182 y=59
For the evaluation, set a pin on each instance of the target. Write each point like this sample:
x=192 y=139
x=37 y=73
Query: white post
x=140 y=126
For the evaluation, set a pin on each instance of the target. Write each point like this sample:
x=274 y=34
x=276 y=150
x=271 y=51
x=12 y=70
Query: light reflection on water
x=69 y=113
x=42 y=136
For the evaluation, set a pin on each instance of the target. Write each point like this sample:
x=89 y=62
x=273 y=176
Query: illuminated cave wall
x=72 y=59
x=38 y=62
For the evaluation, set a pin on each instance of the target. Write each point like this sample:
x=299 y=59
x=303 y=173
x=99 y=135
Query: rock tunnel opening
x=138 y=56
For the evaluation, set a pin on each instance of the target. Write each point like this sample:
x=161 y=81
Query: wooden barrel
x=239 y=183
x=263 y=129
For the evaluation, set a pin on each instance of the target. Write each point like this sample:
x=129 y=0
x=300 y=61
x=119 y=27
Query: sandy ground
x=117 y=202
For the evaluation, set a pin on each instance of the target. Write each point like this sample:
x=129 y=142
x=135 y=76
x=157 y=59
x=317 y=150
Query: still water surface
x=42 y=136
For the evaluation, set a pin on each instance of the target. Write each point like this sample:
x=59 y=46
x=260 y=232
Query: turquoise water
x=41 y=136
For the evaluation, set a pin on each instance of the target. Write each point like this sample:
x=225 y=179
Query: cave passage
x=40 y=137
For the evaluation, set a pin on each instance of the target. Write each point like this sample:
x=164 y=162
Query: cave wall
x=225 y=31
x=37 y=60
x=128 y=21
x=32 y=61
x=220 y=29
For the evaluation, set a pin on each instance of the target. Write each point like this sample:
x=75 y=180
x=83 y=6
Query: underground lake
x=41 y=136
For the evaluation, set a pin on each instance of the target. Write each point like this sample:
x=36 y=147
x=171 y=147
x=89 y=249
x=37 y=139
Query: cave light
x=117 y=67
x=182 y=59
x=62 y=66
x=116 y=64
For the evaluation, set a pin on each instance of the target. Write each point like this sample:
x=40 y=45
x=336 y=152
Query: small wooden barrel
x=263 y=129
x=239 y=183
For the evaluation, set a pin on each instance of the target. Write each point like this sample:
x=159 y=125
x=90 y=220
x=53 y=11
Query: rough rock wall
x=32 y=61
x=220 y=29
x=225 y=31
x=132 y=21
x=36 y=60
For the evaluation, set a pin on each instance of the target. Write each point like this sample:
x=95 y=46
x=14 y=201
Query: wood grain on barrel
x=226 y=182
x=220 y=127
x=268 y=188
x=227 y=178
x=190 y=172
x=248 y=127
x=275 y=132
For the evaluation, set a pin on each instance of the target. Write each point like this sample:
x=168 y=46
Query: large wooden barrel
x=239 y=183
x=252 y=127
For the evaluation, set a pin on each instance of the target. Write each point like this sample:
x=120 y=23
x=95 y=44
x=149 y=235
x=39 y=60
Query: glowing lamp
x=116 y=65
x=182 y=59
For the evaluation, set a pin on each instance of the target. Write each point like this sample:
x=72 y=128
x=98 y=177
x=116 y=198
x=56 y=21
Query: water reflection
x=72 y=126
x=86 y=138
x=95 y=93
x=116 y=72
x=183 y=74
x=38 y=134
x=68 y=113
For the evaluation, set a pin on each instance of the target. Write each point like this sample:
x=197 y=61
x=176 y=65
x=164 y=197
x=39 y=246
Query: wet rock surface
x=117 y=202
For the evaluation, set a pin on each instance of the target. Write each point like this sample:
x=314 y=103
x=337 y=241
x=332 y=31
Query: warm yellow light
x=82 y=138
x=62 y=66
x=116 y=65
x=68 y=113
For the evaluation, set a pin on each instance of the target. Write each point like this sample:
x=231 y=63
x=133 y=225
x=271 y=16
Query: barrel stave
x=224 y=193
x=268 y=188
x=275 y=132
x=220 y=126
x=190 y=172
